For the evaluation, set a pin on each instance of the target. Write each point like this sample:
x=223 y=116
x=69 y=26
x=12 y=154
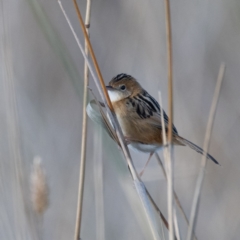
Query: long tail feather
x=195 y=147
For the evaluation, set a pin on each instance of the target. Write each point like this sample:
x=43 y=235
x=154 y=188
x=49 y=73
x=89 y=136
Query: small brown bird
x=139 y=116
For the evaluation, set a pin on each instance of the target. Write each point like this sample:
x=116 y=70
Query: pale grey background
x=127 y=36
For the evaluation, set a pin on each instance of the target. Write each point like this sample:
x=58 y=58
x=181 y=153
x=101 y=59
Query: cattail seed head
x=39 y=189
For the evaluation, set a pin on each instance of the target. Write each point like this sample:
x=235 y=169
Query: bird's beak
x=109 y=88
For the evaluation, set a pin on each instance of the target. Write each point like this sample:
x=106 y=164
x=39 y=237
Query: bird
x=139 y=116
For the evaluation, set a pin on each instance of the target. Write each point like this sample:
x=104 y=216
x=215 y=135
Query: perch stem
x=84 y=135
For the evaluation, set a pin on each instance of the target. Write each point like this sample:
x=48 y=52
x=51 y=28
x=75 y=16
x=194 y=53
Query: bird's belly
x=144 y=147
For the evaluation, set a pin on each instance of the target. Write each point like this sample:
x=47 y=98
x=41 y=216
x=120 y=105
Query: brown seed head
x=39 y=189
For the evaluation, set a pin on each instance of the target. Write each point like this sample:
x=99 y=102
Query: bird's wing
x=148 y=109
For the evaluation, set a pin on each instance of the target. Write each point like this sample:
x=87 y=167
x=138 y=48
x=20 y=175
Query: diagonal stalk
x=208 y=133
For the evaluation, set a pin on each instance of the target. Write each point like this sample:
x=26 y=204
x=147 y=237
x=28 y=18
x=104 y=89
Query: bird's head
x=123 y=86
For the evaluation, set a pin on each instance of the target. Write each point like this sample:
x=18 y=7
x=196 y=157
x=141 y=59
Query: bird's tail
x=194 y=147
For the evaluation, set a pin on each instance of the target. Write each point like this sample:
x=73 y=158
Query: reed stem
x=208 y=133
x=84 y=135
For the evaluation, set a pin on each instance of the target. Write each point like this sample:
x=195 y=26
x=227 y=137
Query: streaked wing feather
x=148 y=108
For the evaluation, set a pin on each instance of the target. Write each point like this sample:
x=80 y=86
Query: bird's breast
x=134 y=128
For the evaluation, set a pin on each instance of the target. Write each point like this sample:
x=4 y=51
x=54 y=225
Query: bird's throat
x=115 y=95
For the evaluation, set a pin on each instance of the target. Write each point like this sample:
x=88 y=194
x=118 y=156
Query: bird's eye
x=123 y=87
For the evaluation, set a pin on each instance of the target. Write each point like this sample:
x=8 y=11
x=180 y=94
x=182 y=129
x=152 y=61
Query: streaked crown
x=124 y=80
x=122 y=76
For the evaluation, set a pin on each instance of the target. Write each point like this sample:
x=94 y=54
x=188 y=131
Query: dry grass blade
x=106 y=98
x=170 y=109
x=165 y=174
x=84 y=136
x=92 y=55
x=162 y=229
x=158 y=210
x=81 y=49
x=177 y=201
x=176 y=225
x=205 y=148
x=167 y=157
x=170 y=68
x=111 y=114
x=98 y=184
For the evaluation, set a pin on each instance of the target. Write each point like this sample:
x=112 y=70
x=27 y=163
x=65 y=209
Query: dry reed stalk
x=166 y=177
x=177 y=201
x=167 y=159
x=170 y=109
x=205 y=148
x=93 y=55
x=106 y=98
x=162 y=229
x=163 y=170
x=98 y=184
x=84 y=133
x=170 y=68
x=39 y=188
x=158 y=210
x=175 y=221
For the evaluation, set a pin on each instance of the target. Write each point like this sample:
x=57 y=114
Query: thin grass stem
x=164 y=220
x=162 y=230
x=111 y=114
x=170 y=68
x=208 y=133
x=106 y=98
x=92 y=55
x=170 y=109
x=84 y=134
x=98 y=184
x=175 y=220
x=167 y=157
x=177 y=201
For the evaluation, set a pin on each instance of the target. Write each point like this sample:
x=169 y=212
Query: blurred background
x=41 y=86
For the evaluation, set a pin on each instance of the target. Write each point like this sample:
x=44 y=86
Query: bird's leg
x=141 y=173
